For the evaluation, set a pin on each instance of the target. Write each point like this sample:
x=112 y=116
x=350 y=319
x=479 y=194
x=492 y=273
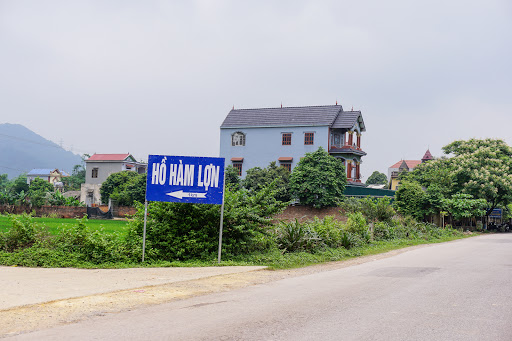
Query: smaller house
x=405 y=166
x=97 y=169
x=53 y=176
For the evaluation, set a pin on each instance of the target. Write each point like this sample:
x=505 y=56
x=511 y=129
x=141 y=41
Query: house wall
x=104 y=170
x=264 y=145
x=31 y=178
x=90 y=194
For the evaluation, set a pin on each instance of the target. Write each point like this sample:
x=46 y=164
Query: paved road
x=453 y=291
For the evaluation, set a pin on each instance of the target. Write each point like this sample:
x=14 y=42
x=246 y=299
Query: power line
x=54 y=145
x=16 y=169
x=31 y=141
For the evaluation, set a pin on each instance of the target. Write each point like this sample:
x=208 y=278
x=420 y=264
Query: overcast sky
x=159 y=77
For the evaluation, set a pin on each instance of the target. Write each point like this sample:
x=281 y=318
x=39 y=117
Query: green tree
x=131 y=192
x=409 y=200
x=377 y=178
x=38 y=190
x=75 y=180
x=318 y=180
x=483 y=169
x=19 y=184
x=125 y=186
x=4 y=181
x=258 y=178
x=463 y=206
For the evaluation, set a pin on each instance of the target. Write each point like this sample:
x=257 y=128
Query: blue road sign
x=496 y=213
x=185 y=179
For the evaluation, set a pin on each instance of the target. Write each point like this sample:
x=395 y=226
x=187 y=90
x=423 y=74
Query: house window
x=287 y=139
x=336 y=140
x=94 y=173
x=309 y=138
x=238 y=139
x=238 y=167
x=287 y=166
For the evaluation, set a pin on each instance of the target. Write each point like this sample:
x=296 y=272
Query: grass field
x=109 y=226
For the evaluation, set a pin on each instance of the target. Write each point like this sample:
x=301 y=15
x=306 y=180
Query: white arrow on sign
x=180 y=195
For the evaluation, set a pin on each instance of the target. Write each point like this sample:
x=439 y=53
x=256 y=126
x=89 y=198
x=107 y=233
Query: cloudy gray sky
x=158 y=77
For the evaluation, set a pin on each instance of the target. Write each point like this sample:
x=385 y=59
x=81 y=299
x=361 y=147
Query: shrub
x=23 y=233
x=329 y=230
x=188 y=231
x=295 y=236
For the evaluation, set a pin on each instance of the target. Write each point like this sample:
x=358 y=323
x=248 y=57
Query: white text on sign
x=184 y=175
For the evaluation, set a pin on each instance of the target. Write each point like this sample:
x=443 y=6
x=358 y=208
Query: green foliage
x=481 y=168
x=187 y=231
x=294 y=236
x=318 y=180
x=38 y=190
x=464 y=206
x=316 y=235
x=19 y=184
x=377 y=178
x=232 y=179
x=131 y=192
x=21 y=235
x=258 y=178
x=357 y=225
x=57 y=199
x=373 y=209
x=76 y=179
x=409 y=199
x=4 y=181
x=126 y=187
x=32 y=245
x=27 y=243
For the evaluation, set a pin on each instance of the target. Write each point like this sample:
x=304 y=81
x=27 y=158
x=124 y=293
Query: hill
x=22 y=150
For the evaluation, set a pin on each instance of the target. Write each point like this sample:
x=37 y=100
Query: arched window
x=238 y=139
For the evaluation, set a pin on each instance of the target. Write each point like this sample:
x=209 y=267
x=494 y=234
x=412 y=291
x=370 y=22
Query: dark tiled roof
x=347 y=119
x=287 y=116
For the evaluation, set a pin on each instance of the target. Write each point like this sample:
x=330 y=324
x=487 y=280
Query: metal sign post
x=185 y=179
x=221 y=220
x=144 y=231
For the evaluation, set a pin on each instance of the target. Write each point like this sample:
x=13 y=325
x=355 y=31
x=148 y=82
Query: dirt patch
x=41 y=316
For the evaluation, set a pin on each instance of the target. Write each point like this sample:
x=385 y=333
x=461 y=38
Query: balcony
x=346 y=149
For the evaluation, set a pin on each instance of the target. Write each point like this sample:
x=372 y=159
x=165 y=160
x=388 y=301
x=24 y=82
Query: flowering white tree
x=483 y=169
x=480 y=168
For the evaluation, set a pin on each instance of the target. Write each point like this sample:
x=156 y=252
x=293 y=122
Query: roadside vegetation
x=187 y=234
x=466 y=185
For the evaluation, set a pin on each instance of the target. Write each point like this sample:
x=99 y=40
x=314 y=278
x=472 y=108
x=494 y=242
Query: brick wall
x=59 y=211
x=309 y=213
x=290 y=213
x=124 y=211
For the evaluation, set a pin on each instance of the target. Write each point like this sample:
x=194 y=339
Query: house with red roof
x=405 y=166
x=97 y=169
